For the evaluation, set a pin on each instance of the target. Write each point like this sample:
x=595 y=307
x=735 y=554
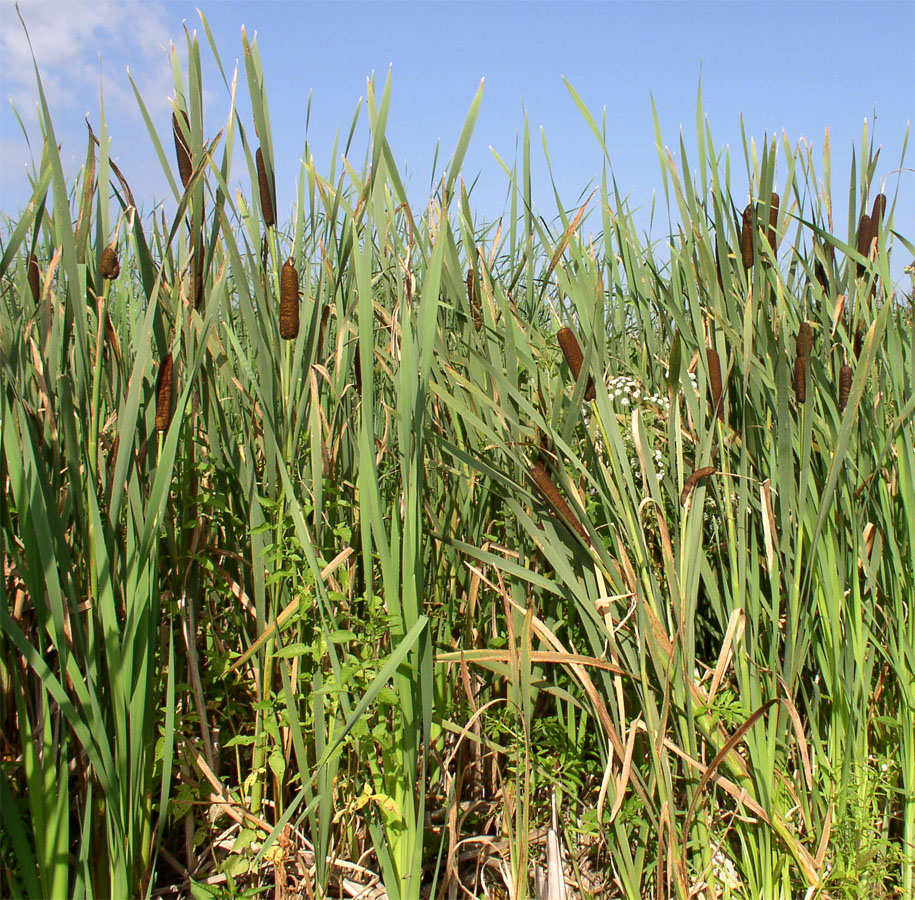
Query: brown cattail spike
x=772 y=234
x=473 y=301
x=289 y=302
x=714 y=380
x=164 y=389
x=34 y=278
x=802 y=347
x=573 y=355
x=746 y=236
x=182 y=148
x=864 y=240
x=693 y=480
x=844 y=386
x=549 y=490
x=109 y=267
x=267 y=187
x=878 y=210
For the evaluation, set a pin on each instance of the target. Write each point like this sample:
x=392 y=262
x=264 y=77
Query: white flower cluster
x=625 y=390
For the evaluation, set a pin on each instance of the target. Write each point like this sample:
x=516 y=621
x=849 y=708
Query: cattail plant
x=714 y=380
x=34 y=278
x=693 y=480
x=197 y=279
x=164 y=393
x=267 y=186
x=772 y=234
x=844 y=386
x=322 y=330
x=859 y=339
x=864 y=240
x=474 y=301
x=573 y=355
x=182 y=150
x=109 y=267
x=802 y=347
x=289 y=301
x=550 y=492
x=746 y=236
x=877 y=212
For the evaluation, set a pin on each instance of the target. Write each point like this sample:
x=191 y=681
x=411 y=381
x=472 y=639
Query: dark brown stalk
x=182 y=148
x=844 y=386
x=34 y=278
x=573 y=355
x=551 y=493
x=714 y=380
x=267 y=187
x=289 y=301
x=746 y=236
x=164 y=393
x=772 y=234
x=109 y=267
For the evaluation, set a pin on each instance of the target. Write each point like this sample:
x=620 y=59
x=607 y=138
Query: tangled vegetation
x=379 y=552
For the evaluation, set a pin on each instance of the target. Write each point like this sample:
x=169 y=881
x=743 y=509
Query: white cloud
x=81 y=47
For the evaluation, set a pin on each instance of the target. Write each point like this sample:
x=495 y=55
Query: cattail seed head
x=473 y=301
x=541 y=477
x=746 y=236
x=197 y=279
x=267 y=187
x=859 y=339
x=164 y=389
x=109 y=267
x=325 y=315
x=802 y=346
x=714 y=380
x=34 y=278
x=289 y=301
x=844 y=386
x=804 y=341
x=878 y=210
x=574 y=358
x=693 y=480
x=864 y=240
x=772 y=234
x=182 y=148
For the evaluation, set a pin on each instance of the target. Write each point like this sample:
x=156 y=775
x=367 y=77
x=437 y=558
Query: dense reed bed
x=352 y=549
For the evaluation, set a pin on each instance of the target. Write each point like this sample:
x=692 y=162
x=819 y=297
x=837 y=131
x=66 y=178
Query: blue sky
x=794 y=67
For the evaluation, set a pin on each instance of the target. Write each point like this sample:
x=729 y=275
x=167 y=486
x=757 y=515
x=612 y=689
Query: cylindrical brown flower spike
x=746 y=236
x=859 y=339
x=844 y=386
x=802 y=346
x=473 y=300
x=267 y=186
x=34 y=278
x=164 y=390
x=864 y=240
x=572 y=352
x=109 y=267
x=182 y=148
x=289 y=301
x=772 y=234
x=549 y=490
x=714 y=380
